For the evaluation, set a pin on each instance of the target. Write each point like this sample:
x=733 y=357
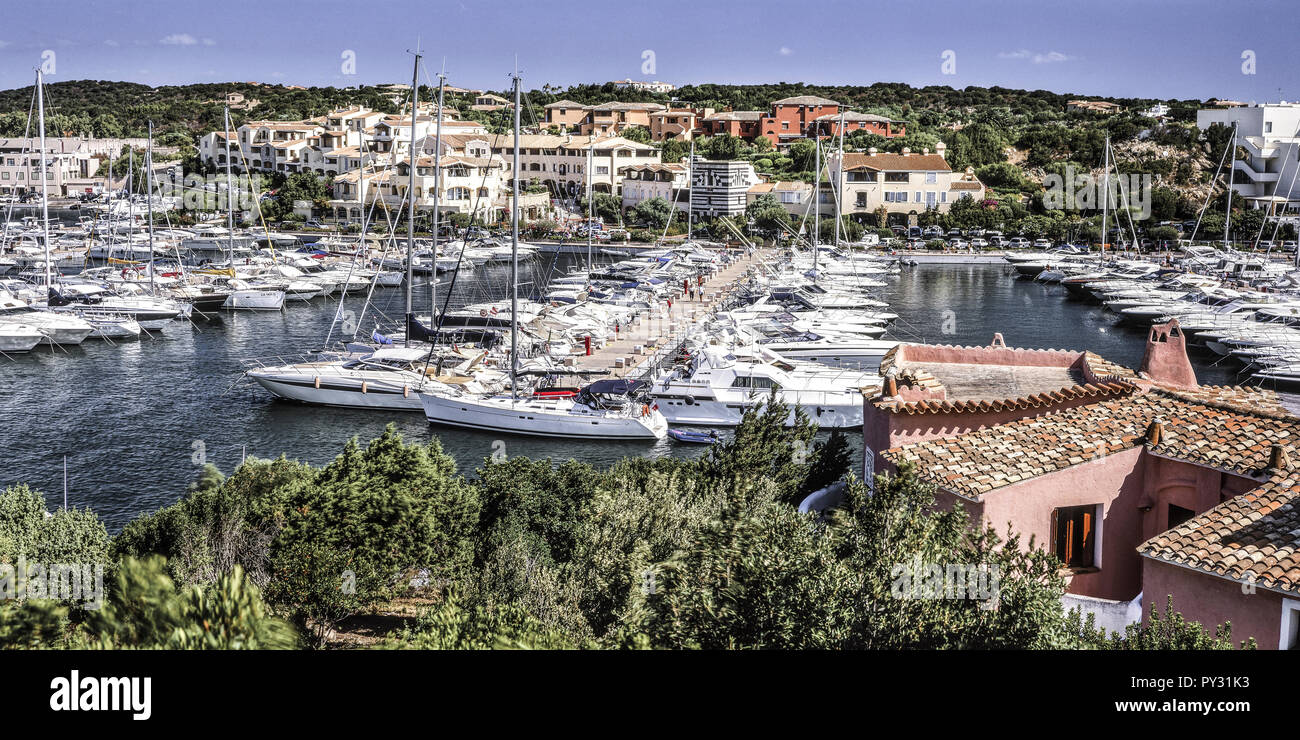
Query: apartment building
x=791 y=194
x=648 y=181
x=906 y=184
x=1270 y=134
x=559 y=161
x=681 y=124
x=69 y=163
x=606 y=119
x=1094 y=106
x=807 y=115
x=743 y=123
x=468 y=185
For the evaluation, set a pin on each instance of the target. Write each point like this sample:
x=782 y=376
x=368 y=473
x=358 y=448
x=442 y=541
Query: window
x=602 y=170
x=943 y=197
x=895 y=177
x=1268 y=127
x=1178 y=515
x=1290 y=632
x=1074 y=535
x=862 y=200
x=931 y=178
x=747 y=381
x=929 y=198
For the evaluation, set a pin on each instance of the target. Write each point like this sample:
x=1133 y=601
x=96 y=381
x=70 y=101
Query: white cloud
x=111 y=42
x=785 y=51
x=179 y=39
x=1050 y=57
x=209 y=42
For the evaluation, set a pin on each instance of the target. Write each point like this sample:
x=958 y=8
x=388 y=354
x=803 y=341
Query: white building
x=1270 y=134
x=721 y=187
x=656 y=86
x=643 y=182
x=69 y=164
x=908 y=183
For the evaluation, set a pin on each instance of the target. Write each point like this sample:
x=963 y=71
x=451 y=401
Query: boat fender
x=318 y=382
x=365 y=387
x=689 y=400
x=406 y=391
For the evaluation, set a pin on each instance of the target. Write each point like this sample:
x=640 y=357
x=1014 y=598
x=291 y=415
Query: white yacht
x=56 y=328
x=604 y=410
x=16 y=337
x=717 y=387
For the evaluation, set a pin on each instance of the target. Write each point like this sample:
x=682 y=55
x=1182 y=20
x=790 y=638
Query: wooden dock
x=654 y=334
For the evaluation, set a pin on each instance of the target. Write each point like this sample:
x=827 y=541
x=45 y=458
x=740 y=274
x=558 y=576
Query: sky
x=1238 y=49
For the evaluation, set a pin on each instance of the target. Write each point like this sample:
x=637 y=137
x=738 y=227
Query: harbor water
x=137 y=419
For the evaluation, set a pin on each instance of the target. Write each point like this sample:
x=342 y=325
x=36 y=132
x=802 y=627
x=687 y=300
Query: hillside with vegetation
x=1012 y=139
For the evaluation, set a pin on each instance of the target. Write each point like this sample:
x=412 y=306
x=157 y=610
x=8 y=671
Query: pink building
x=1140 y=482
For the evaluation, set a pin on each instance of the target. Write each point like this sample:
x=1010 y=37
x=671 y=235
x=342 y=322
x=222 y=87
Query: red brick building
x=805 y=115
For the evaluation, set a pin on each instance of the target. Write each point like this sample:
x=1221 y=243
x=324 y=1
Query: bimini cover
x=617 y=387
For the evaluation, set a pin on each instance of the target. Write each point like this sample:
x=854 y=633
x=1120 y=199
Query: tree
x=1167 y=631
x=653 y=211
x=606 y=207
x=767 y=213
x=639 y=134
x=28 y=531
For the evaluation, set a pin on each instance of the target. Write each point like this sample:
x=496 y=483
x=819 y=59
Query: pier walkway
x=653 y=336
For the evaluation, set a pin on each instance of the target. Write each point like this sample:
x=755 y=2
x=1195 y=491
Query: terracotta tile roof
x=736 y=115
x=805 y=100
x=1251 y=537
x=882 y=161
x=962 y=185
x=1208 y=426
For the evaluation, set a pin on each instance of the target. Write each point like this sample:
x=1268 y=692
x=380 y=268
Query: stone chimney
x=940 y=148
x=1278 y=459
x=1165 y=360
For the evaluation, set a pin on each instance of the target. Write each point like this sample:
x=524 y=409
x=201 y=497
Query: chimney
x=907 y=151
x=873 y=151
x=1165 y=360
x=940 y=148
x=998 y=341
x=1155 y=431
x=925 y=150
x=1279 y=461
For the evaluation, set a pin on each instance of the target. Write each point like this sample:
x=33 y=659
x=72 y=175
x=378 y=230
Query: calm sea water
x=132 y=417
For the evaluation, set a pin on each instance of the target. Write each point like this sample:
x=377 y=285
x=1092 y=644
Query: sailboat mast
x=437 y=186
x=410 y=195
x=514 y=252
x=591 y=159
x=690 y=194
x=230 y=203
x=817 y=195
x=45 y=198
x=1105 y=194
x=1232 y=168
x=148 y=164
x=839 y=182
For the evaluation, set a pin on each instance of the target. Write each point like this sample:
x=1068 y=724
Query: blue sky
x=1139 y=48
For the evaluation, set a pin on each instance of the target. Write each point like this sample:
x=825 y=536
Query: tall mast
x=1232 y=167
x=514 y=251
x=690 y=194
x=1105 y=194
x=230 y=203
x=591 y=160
x=130 y=200
x=437 y=186
x=148 y=164
x=45 y=199
x=839 y=183
x=410 y=195
x=817 y=196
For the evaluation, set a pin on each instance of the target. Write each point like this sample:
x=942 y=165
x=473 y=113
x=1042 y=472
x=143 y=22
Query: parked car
x=1018 y=242
x=958 y=244
x=996 y=240
x=1042 y=244
x=978 y=243
x=932 y=232
x=312 y=223
x=1288 y=246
